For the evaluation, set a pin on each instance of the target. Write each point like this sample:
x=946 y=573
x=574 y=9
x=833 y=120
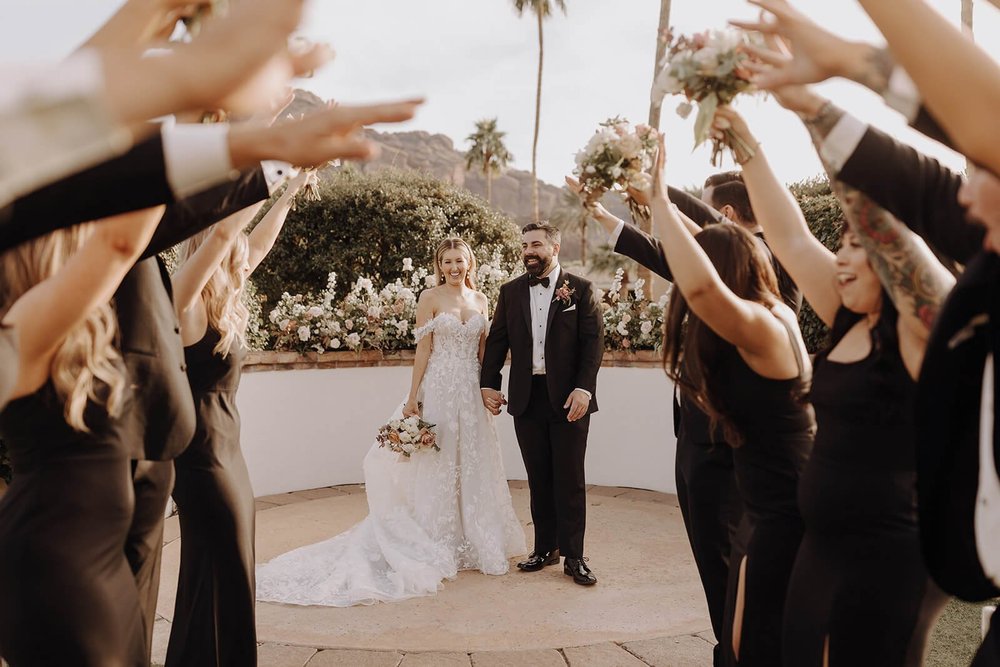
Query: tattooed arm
x=916 y=281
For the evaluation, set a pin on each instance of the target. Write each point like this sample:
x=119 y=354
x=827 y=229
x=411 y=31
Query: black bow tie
x=544 y=282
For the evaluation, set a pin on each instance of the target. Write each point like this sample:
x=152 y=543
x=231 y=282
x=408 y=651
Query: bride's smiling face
x=454 y=267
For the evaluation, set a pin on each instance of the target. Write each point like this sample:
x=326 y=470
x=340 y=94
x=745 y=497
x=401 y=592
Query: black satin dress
x=214 y=620
x=67 y=596
x=778 y=428
x=859 y=578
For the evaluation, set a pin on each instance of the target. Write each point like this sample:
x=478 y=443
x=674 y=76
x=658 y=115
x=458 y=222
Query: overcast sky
x=474 y=59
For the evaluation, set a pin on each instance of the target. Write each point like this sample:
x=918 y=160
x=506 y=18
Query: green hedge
x=366 y=224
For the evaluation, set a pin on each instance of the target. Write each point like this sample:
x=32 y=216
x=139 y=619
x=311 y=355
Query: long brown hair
x=692 y=352
x=86 y=367
x=223 y=293
x=453 y=243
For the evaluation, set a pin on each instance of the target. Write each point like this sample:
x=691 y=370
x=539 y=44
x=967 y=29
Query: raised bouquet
x=709 y=69
x=617 y=157
x=406 y=436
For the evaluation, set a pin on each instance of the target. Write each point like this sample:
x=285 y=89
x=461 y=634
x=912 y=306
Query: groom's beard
x=538 y=268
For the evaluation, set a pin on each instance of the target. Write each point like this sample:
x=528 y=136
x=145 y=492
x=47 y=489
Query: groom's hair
x=551 y=233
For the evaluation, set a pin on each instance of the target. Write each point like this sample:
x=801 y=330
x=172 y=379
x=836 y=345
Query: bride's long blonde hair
x=453 y=243
x=223 y=293
x=86 y=366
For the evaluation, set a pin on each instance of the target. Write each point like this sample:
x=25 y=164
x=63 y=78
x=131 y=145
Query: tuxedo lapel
x=525 y=297
x=555 y=306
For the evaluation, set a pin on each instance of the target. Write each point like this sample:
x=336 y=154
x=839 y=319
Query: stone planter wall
x=308 y=420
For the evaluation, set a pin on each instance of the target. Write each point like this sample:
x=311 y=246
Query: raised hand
x=816 y=55
x=795 y=97
x=315 y=139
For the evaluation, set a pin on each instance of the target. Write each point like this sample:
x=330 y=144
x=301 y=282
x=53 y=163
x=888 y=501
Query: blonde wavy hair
x=453 y=243
x=223 y=293
x=86 y=366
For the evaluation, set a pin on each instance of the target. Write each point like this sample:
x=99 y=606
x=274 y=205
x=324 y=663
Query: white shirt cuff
x=277 y=172
x=843 y=140
x=613 y=236
x=589 y=395
x=196 y=156
x=902 y=94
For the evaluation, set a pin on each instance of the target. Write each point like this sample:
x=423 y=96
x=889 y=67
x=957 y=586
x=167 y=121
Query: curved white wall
x=304 y=429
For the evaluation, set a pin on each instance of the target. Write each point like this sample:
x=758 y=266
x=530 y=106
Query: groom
x=551 y=323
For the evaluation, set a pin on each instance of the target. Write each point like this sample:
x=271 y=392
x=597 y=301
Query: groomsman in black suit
x=550 y=322
x=958 y=447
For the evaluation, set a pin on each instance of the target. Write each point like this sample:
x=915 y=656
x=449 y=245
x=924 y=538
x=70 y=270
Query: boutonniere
x=564 y=293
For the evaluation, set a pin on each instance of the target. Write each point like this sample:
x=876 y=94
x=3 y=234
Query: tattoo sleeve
x=915 y=280
x=875 y=70
x=822 y=124
x=917 y=283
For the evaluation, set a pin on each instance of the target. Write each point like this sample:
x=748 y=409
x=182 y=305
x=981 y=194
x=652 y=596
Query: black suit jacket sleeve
x=928 y=126
x=135 y=180
x=701 y=213
x=189 y=216
x=644 y=249
x=497 y=345
x=915 y=188
x=590 y=333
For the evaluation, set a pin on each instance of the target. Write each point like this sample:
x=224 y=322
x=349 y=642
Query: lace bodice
x=455 y=354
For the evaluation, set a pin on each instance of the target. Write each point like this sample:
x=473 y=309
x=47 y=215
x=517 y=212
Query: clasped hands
x=577 y=403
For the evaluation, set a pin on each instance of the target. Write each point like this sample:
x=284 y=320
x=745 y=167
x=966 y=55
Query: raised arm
x=748 y=325
x=808 y=261
x=266 y=232
x=425 y=313
x=190 y=278
x=47 y=312
x=959 y=82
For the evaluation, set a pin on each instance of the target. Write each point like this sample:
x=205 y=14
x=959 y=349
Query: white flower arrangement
x=632 y=322
x=708 y=68
x=616 y=157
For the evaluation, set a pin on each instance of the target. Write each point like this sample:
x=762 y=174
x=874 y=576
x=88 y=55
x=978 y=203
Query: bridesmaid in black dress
x=214 y=620
x=860 y=593
x=732 y=345
x=68 y=596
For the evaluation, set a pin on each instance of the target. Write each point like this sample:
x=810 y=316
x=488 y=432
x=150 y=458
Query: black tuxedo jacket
x=133 y=181
x=574 y=344
x=160 y=422
x=924 y=195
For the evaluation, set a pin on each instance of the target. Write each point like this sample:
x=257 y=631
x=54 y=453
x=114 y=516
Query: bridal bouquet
x=408 y=435
x=709 y=69
x=615 y=158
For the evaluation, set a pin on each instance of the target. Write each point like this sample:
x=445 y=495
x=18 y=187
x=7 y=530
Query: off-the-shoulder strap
x=422 y=331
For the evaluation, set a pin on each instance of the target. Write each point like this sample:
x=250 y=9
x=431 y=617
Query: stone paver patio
x=647 y=608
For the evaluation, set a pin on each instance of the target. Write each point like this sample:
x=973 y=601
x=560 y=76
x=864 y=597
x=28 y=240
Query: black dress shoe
x=536 y=561
x=577 y=568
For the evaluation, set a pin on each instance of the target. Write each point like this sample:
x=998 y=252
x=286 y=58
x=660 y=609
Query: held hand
x=577 y=403
x=411 y=409
x=726 y=118
x=493 y=400
x=817 y=55
x=576 y=188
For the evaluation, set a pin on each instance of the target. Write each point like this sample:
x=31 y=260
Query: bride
x=437 y=512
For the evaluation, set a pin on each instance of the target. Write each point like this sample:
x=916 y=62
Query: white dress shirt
x=987 y=520
x=541 y=301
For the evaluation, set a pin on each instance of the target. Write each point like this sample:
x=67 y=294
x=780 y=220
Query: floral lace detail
x=429 y=517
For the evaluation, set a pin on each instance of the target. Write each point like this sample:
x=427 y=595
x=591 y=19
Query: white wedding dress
x=430 y=516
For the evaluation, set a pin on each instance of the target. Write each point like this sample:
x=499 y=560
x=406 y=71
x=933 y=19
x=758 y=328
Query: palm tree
x=541 y=9
x=646 y=224
x=487 y=152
